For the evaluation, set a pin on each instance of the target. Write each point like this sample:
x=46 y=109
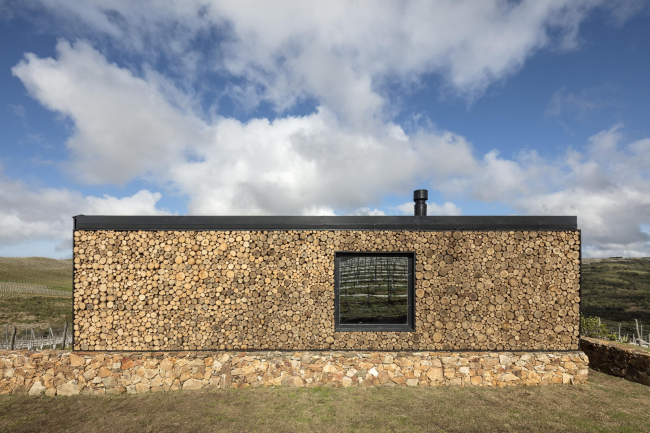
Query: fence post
x=637 y=330
x=65 y=332
x=13 y=339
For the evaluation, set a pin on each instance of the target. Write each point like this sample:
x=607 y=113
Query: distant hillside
x=616 y=289
x=37 y=270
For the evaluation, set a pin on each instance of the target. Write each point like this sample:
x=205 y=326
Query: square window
x=374 y=291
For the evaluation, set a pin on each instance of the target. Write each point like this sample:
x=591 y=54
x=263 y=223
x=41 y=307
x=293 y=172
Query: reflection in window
x=373 y=289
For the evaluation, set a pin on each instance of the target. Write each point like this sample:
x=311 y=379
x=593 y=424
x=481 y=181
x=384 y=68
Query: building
x=327 y=283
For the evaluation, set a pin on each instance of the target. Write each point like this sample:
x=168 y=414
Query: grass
x=37 y=310
x=633 y=346
x=358 y=310
x=37 y=270
x=616 y=289
x=606 y=404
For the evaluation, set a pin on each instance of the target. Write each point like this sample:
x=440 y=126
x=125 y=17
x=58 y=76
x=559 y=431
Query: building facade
x=327 y=283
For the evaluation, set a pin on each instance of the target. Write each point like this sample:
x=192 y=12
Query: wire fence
x=10 y=288
x=26 y=337
x=633 y=332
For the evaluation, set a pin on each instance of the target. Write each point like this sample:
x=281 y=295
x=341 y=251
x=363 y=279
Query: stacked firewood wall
x=258 y=290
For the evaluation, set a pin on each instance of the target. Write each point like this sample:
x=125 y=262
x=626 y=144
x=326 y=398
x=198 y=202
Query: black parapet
x=396 y=223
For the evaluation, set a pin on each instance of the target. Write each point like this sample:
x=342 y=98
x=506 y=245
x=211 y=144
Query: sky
x=193 y=107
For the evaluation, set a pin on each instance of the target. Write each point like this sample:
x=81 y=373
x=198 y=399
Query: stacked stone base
x=65 y=373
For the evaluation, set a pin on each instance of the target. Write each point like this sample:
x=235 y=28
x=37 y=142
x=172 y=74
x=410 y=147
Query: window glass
x=374 y=289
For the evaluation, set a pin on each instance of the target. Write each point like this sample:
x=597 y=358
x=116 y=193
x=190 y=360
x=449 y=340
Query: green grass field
x=606 y=404
x=616 y=289
x=56 y=274
x=39 y=311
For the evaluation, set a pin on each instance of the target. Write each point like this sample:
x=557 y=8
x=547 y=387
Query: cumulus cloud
x=316 y=164
x=366 y=211
x=296 y=164
x=133 y=123
x=124 y=126
x=606 y=184
x=608 y=187
x=46 y=213
x=340 y=52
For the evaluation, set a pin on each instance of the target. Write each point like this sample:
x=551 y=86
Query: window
x=374 y=292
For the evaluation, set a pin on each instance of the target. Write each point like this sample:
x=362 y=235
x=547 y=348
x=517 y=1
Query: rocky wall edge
x=617 y=359
x=70 y=373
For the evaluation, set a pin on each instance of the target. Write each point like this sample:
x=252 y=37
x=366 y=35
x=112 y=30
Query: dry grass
x=607 y=404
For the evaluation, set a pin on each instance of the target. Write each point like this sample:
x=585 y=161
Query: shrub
x=591 y=327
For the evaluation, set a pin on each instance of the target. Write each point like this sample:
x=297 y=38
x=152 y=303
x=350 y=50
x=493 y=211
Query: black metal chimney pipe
x=420 y=196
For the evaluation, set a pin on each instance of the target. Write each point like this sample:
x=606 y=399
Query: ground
x=606 y=404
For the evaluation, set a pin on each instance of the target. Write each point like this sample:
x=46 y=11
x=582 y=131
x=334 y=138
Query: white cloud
x=124 y=125
x=135 y=123
x=447 y=208
x=607 y=185
x=142 y=202
x=611 y=219
x=125 y=128
x=46 y=213
x=313 y=164
x=340 y=52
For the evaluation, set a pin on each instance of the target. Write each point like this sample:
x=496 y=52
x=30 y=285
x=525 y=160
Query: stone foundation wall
x=65 y=373
x=256 y=290
x=618 y=359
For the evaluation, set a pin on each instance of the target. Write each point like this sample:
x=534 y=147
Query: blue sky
x=328 y=108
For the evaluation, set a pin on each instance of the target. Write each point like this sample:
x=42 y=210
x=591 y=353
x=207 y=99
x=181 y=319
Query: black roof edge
x=392 y=223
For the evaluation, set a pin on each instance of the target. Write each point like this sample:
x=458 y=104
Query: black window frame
x=409 y=326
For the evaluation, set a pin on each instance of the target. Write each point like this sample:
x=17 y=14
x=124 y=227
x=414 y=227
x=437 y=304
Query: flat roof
x=267 y=223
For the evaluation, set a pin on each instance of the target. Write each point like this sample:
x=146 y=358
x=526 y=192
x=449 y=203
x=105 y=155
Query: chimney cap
x=420 y=194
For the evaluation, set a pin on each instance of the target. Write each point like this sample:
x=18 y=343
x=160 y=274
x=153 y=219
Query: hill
x=56 y=274
x=616 y=289
x=29 y=307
